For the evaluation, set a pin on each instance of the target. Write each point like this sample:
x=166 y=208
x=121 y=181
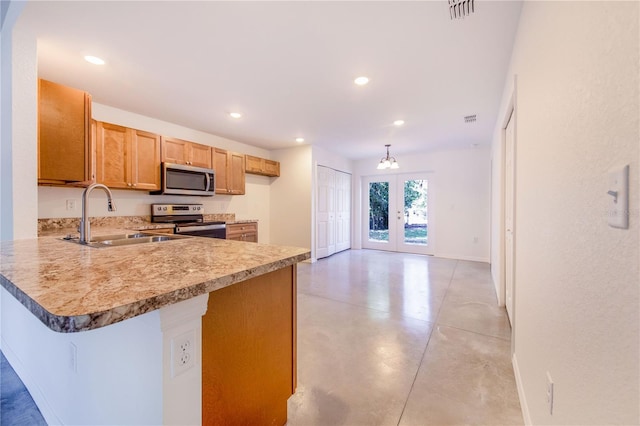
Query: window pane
x=415 y=212
x=379 y=211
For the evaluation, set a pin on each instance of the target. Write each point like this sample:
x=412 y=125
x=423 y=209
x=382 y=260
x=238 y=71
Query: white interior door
x=396 y=213
x=333 y=212
x=325 y=213
x=509 y=219
x=343 y=210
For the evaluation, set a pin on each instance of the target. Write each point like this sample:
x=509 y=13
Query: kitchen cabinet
x=249 y=351
x=247 y=231
x=127 y=158
x=189 y=153
x=261 y=166
x=230 y=173
x=64 y=141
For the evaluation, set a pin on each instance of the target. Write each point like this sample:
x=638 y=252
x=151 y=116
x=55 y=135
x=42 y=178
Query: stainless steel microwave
x=178 y=179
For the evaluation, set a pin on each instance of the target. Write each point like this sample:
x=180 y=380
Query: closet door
x=325 y=212
x=343 y=211
x=333 y=212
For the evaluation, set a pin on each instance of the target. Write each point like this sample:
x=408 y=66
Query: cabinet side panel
x=248 y=354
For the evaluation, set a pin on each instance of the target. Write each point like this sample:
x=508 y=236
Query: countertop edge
x=74 y=324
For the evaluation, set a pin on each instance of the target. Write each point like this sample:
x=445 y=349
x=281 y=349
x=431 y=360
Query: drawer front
x=243 y=231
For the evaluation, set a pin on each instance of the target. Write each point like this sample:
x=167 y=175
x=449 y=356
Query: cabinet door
x=64 y=150
x=271 y=168
x=220 y=167
x=236 y=173
x=254 y=164
x=201 y=156
x=112 y=145
x=145 y=158
x=175 y=151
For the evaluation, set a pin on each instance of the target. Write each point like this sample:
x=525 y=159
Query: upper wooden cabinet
x=230 y=174
x=64 y=142
x=127 y=158
x=261 y=166
x=183 y=152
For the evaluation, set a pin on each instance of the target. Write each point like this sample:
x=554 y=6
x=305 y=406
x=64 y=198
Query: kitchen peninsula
x=171 y=332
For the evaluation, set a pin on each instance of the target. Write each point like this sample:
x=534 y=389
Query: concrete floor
x=398 y=339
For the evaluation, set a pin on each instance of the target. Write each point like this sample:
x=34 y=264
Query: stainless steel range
x=189 y=220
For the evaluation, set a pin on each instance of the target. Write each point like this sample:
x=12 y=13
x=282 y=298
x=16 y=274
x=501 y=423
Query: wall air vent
x=461 y=8
x=470 y=118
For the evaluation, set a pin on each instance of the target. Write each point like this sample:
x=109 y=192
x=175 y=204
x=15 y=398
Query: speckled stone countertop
x=71 y=287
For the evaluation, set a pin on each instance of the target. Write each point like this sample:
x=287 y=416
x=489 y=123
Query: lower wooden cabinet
x=243 y=232
x=249 y=351
x=127 y=158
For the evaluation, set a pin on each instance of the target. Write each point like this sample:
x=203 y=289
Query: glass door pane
x=415 y=211
x=378 y=212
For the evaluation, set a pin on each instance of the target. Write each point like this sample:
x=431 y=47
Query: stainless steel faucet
x=85 y=227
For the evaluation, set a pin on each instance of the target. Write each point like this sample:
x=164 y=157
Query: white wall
x=115 y=365
x=459 y=196
x=291 y=198
x=52 y=200
x=19 y=138
x=577 y=289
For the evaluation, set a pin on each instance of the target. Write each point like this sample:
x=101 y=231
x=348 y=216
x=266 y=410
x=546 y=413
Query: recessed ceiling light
x=94 y=60
x=235 y=114
x=398 y=122
x=361 y=81
x=299 y=140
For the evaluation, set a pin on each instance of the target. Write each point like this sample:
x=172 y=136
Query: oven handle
x=182 y=229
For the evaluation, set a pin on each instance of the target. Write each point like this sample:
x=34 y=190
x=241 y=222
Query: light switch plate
x=618 y=203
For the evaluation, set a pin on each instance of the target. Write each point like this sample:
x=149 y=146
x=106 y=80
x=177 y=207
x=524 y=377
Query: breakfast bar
x=173 y=332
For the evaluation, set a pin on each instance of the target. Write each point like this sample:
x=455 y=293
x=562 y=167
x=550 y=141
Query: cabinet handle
x=135 y=184
x=129 y=184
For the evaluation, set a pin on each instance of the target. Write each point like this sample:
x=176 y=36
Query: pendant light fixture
x=387 y=162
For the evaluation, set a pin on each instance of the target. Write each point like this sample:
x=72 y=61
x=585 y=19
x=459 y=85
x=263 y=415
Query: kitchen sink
x=126 y=239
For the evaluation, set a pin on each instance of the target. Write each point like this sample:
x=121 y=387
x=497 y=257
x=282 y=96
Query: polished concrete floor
x=398 y=339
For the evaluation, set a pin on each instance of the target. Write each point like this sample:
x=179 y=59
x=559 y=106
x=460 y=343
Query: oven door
x=209 y=231
x=178 y=179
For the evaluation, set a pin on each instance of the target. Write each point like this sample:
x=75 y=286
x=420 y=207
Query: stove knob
x=164 y=208
x=198 y=207
x=158 y=208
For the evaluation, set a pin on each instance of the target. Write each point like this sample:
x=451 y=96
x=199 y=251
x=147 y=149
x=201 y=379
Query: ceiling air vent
x=461 y=8
x=470 y=118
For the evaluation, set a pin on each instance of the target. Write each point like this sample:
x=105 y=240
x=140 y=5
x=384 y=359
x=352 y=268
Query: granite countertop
x=71 y=287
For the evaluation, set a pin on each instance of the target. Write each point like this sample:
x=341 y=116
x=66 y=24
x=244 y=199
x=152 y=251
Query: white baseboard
x=523 y=400
x=469 y=258
x=31 y=384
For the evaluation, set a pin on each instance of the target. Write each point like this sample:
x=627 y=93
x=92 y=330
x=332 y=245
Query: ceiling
x=289 y=68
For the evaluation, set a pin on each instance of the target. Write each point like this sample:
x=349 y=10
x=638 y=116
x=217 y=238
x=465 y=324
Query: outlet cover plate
x=183 y=353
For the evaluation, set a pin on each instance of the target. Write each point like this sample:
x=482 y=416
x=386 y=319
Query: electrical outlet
x=183 y=352
x=550 y=393
x=71 y=204
x=73 y=357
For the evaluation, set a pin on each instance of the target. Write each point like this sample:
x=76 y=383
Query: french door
x=396 y=210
